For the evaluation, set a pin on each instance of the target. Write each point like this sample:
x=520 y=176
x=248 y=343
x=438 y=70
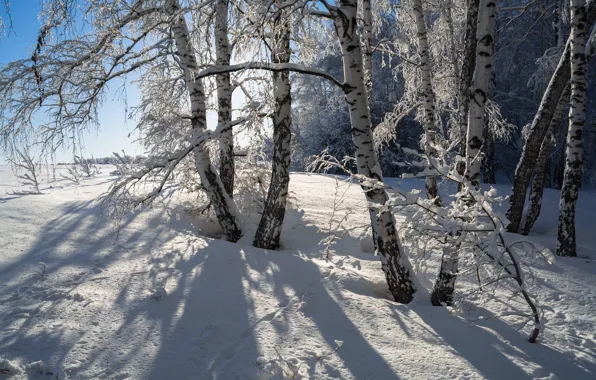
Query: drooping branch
x=294 y=67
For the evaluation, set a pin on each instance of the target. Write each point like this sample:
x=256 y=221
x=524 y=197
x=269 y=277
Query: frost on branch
x=468 y=229
x=26 y=169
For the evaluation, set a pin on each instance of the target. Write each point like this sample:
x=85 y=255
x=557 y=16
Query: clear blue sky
x=112 y=136
x=113 y=133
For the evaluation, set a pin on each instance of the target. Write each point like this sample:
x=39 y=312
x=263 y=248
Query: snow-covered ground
x=159 y=302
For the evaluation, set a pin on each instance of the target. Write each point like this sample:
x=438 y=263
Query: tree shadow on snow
x=497 y=350
x=216 y=320
x=74 y=248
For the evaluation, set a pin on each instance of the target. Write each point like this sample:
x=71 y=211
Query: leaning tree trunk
x=548 y=105
x=566 y=245
x=488 y=164
x=466 y=76
x=590 y=140
x=444 y=286
x=224 y=97
x=269 y=230
x=537 y=188
x=539 y=180
x=394 y=262
x=430 y=128
x=224 y=208
x=559 y=169
x=485 y=36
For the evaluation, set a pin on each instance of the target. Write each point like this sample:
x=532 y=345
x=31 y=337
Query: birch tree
x=538 y=129
x=539 y=179
x=444 y=286
x=69 y=77
x=271 y=223
x=221 y=202
x=479 y=91
x=566 y=245
x=430 y=129
x=466 y=76
x=367 y=46
x=394 y=262
x=224 y=97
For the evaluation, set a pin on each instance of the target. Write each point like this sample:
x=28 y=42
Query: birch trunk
x=270 y=225
x=225 y=209
x=444 y=286
x=473 y=89
x=488 y=164
x=466 y=76
x=566 y=245
x=590 y=140
x=430 y=129
x=367 y=46
x=479 y=90
x=394 y=263
x=224 y=97
x=544 y=115
x=539 y=180
x=559 y=170
x=448 y=11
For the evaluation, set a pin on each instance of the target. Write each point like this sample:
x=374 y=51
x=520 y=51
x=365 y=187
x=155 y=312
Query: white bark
x=394 y=262
x=539 y=180
x=473 y=90
x=566 y=245
x=466 y=76
x=544 y=115
x=430 y=129
x=224 y=97
x=271 y=223
x=225 y=209
x=448 y=11
x=367 y=47
x=479 y=91
x=444 y=286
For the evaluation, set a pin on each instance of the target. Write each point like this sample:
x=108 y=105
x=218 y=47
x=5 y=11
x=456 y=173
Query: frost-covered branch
x=294 y=67
x=468 y=224
x=26 y=170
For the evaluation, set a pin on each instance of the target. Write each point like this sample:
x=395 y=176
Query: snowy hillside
x=157 y=301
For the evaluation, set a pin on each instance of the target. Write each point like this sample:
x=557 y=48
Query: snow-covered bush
x=27 y=170
x=468 y=237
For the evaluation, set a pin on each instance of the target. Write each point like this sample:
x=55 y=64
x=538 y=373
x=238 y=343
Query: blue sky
x=115 y=126
x=112 y=135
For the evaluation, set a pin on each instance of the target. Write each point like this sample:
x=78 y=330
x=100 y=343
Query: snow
x=160 y=302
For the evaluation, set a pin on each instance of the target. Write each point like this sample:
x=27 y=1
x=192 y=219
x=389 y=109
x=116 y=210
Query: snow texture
x=161 y=302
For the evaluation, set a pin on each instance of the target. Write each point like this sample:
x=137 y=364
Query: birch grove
x=538 y=130
x=220 y=200
x=236 y=95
